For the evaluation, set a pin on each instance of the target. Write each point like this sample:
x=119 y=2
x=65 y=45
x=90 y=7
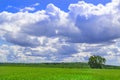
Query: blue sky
x=59 y=31
x=62 y=4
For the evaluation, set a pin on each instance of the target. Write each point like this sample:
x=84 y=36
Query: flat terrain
x=40 y=73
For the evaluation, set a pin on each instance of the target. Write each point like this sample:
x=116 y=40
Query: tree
x=96 y=61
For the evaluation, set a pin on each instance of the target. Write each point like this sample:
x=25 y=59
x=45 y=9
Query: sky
x=36 y=31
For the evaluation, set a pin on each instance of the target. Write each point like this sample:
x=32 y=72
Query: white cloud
x=27 y=9
x=36 y=4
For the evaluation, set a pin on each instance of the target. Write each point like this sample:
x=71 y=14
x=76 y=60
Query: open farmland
x=49 y=73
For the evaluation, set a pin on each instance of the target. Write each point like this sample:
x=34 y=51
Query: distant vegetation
x=57 y=65
x=51 y=65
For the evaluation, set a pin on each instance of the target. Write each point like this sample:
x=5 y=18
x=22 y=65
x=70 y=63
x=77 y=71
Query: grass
x=40 y=73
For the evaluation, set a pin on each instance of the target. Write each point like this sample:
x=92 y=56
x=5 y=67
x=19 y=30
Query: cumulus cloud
x=55 y=35
x=96 y=23
x=84 y=22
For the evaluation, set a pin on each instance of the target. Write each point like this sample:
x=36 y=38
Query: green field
x=26 y=72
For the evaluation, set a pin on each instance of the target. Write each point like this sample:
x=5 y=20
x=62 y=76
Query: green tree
x=96 y=61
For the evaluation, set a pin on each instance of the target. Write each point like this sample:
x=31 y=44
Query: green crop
x=39 y=73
